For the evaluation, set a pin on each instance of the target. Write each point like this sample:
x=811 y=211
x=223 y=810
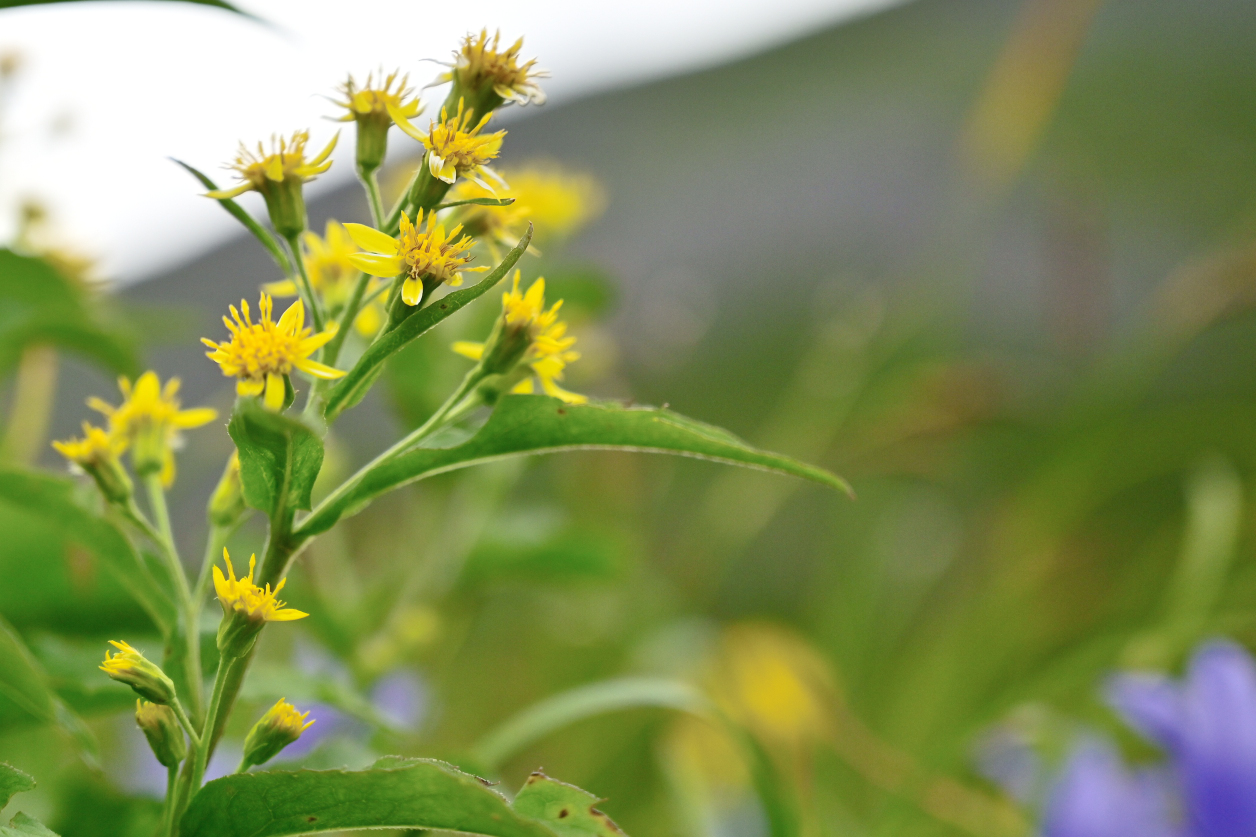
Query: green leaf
x=24 y=682
x=55 y=500
x=238 y=212
x=475 y=202
x=24 y=826
x=351 y=388
x=280 y=457
x=394 y=793
x=566 y=809
x=39 y=305
x=530 y=424
x=11 y=4
x=13 y=781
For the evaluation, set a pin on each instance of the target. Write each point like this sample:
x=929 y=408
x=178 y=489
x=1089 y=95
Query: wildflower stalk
x=167 y=811
x=190 y=664
x=307 y=288
x=371 y=184
x=32 y=404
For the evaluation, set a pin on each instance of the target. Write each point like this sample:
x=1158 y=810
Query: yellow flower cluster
x=482 y=62
x=456 y=148
x=285 y=161
x=260 y=355
x=380 y=102
x=556 y=202
x=329 y=264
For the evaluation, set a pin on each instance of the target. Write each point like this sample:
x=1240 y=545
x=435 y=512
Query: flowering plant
x=363 y=293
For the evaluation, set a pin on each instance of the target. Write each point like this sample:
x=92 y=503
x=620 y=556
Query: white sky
x=137 y=82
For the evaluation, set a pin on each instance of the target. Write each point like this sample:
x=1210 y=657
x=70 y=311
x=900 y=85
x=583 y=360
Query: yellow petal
x=274 y=392
x=326 y=152
x=274 y=168
x=411 y=291
x=371 y=239
x=466 y=348
x=187 y=419
x=315 y=342
x=524 y=387
x=284 y=287
x=250 y=386
x=227 y=194
x=319 y=370
x=385 y=267
x=401 y=121
x=293 y=320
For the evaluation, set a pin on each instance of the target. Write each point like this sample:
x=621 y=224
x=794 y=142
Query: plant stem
x=167 y=812
x=371 y=184
x=307 y=289
x=32 y=403
x=191 y=615
x=184 y=722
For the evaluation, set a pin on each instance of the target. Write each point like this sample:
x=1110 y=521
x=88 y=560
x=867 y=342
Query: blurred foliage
x=1041 y=497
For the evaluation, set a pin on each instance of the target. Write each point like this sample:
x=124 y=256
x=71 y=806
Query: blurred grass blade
x=350 y=389
x=24 y=682
x=558 y=711
x=394 y=793
x=533 y=424
x=238 y=212
x=219 y=4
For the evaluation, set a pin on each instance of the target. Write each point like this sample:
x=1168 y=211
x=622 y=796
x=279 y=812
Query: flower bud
x=226 y=506
x=280 y=726
x=161 y=728
x=96 y=454
x=132 y=668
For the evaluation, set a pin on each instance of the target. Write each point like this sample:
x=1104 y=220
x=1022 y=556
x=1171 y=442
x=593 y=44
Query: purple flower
x=401 y=698
x=1207 y=726
x=1096 y=796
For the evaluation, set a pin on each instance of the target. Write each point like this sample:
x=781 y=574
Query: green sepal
x=280 y=457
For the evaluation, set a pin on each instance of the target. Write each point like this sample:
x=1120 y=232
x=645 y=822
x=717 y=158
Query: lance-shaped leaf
x=350 y=389
x=13 y=781
x=280 y=457
x=220 y=4
x=528 y=424
x=25 y=683
x=565 y=808
x=475 y=202
x=394 y=793
x=238 y=212
x=55 y=499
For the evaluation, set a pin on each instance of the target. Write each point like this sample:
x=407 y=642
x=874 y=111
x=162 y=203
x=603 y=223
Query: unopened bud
x=131 y=667
x=161 y=728
x=280 y=726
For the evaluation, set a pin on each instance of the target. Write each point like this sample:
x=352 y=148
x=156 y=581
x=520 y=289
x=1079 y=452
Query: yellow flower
x=456 y=150
x=482 y=62
x=261 y=354
x=555 y=201
x=430 y=252
x=282 y=724
x=131 y=667
x=332 y=274
x=279 y=177
x=549 y=349
x=95 y=448
x=376 y=108
x=286 y=161
x=150 y=418
x=241 y=595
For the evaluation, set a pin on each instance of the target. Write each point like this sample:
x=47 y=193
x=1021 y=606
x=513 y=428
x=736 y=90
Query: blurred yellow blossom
x=260 y=355
x=555 y=201
x=329 y=264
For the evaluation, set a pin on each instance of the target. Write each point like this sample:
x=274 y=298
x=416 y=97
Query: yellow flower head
x=150 y=418
x=482 y=61
x=456 y=149
x=555 y=201
x=414 y=252
x=380 y=103
x=95 y=448
x=280 y=726
x=241 y=595
x=129 y=666
x=286 y=161
x=549 y=348
x=259 y=354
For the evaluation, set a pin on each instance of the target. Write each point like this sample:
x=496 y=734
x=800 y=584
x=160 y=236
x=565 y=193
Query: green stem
x=371 y=185
x=191 y=616
x=167 y=812
x=307 y=288
x=244 y=765
x=32 y=404
x=186 y=724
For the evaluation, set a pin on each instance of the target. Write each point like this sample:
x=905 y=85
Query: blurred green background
x=993 y=262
